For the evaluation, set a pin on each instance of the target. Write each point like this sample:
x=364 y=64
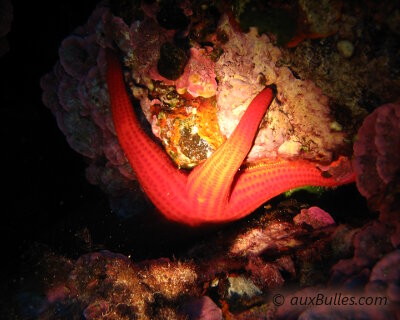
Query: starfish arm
x=210 y=194
x=270 y=178
x=157 y=175
x=210 y=183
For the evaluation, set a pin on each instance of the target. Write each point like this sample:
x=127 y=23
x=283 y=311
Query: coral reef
x=198 y=76
x=385 y=276
x=356 y=83
x=234 y=274
x=298 y=123
x=326 y=89
x=110 y=286
x=76 y=93
x=377 y=159
x=189 y=112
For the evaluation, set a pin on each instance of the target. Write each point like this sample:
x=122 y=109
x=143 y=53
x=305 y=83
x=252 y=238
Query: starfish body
x=217 y=190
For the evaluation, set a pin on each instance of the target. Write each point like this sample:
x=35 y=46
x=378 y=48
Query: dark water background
x=42 y=178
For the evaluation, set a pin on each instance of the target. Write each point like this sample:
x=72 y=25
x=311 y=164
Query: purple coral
x=202 y=309
x=76 y=93
x=315 y=217
x=77 y=55
x=385 y=276
x=369 y=243
x=377 y=159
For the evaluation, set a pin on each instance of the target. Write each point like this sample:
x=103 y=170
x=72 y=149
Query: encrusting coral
x=377 y=159
x=76 y=93
x=233 y=274
x=99 y=281
x=298 y=123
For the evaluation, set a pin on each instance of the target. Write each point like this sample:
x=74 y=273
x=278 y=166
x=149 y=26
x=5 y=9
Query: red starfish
x=217 y=190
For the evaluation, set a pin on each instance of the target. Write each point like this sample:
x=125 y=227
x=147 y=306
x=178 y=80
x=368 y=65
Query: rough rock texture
x=234 y=273
x=297 y=124
x=385 y=277
x=198 y=78
x=315 y=217
x=110 y=286
x=370 y=77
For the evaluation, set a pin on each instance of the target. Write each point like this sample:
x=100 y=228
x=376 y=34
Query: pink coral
x=198 y=78
x=275 y=237
x=202 y=309
x=315 y=217
x=377 y=159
